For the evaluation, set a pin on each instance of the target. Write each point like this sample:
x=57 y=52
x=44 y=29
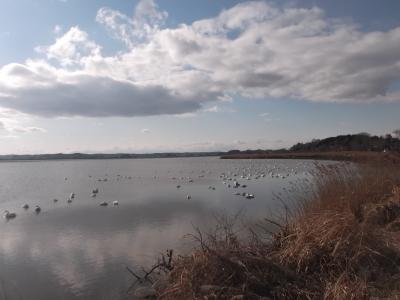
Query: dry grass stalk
x=342 y=242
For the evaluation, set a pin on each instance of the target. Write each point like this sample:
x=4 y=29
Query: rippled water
x=79 y=250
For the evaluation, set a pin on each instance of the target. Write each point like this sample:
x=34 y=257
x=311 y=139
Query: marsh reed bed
x=341 y=241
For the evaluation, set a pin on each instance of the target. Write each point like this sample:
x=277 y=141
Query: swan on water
x=55 y=200
x=115 y=202
x=38 y=209
x=72 y=196
x=25 y=206
x=69 y=200
x=189 y=197
x=9 y=215
x=104 y=203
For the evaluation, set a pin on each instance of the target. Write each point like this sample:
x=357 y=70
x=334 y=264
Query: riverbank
x=341 y=242
x=354 y=156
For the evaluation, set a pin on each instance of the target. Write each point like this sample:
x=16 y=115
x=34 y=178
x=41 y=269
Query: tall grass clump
x=341 y=242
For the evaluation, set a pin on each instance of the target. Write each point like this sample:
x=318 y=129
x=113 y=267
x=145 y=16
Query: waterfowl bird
x=25 y=206
x=9 y=215
x=55 y=200
x=95 y=191
x=115 y=202
x=38 y=209
x=69 y=200
x=178 y=186
x=72 y=196
x=104 y=203
x=189 y=197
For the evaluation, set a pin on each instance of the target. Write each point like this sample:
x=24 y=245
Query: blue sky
x=153 y=76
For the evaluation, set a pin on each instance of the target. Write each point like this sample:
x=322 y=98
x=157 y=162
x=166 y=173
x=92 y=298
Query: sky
x=102 y=76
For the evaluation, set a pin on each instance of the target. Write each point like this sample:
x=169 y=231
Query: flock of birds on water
x=11 y=215
x=229 y=179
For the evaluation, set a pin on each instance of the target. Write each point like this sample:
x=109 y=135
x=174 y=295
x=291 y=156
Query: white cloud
x=145 y=131
x=185 y=115
x=13 y=122
x=146 y=21
x=212 y=109
x=218 y=109
x=72 y=46
x=29 y=129
x=252 y=50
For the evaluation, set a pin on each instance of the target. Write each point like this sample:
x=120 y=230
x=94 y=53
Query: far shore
x=354 y=156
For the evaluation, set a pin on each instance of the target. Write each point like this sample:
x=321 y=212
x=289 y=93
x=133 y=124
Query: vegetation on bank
x=341 y=242
x=355 y=147
x=354 y=156
x=352 y=142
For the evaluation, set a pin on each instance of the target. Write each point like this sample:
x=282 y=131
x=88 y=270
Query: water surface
x=79 y=250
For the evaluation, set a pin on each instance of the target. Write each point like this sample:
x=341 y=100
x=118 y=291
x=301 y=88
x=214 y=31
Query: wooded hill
x=350 y=142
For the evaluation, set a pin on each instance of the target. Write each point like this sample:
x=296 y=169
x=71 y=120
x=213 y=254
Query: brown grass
x=343 y=242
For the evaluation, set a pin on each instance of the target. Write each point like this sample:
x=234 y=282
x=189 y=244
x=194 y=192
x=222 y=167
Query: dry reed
x=341 y=242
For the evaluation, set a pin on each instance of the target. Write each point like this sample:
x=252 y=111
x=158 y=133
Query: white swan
x=189 y=197
x=104 y=203
x=9 y=215
x=72 y=196
x=115 y=202
x=69 y=200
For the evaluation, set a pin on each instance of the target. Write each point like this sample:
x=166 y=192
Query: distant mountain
x=350 y=142
x=60 y=156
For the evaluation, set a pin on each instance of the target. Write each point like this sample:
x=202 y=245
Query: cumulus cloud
x=69 y=48
x=252 y=50
x=13 y=122
x=212 y=109
x=53 y=94
x=146 y=21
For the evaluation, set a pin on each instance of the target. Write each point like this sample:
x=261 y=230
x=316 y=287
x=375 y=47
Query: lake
x=80 y=250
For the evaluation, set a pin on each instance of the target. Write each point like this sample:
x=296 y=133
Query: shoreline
x=342 y=242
